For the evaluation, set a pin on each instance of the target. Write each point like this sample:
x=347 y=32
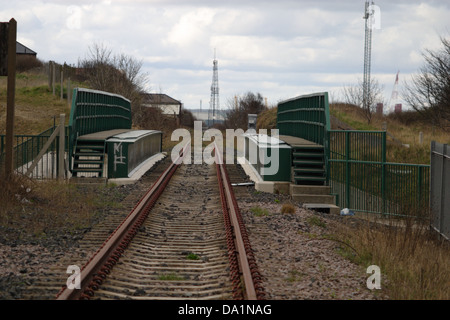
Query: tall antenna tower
x=214 y=103
x=368 y=16
x=394 y=96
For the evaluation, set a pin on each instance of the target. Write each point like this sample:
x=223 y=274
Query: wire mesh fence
x=363 y=181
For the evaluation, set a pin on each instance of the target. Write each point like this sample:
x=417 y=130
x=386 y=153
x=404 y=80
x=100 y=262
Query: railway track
x=185 y=239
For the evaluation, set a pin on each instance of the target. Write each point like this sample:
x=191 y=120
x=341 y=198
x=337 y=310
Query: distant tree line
x=249 y=103
x=429 y=91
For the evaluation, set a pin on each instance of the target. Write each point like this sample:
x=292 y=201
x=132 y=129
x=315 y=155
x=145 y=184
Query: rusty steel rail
x=99 y=266
x=245 y=276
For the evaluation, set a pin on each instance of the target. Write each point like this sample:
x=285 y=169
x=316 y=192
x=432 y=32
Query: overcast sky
x=280 y=49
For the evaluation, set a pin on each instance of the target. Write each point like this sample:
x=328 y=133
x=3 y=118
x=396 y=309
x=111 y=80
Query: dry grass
x=31 y=209
x=35 y=105
x=287 y=208
x=405 y=129
x=415 y=264
x=267 y=119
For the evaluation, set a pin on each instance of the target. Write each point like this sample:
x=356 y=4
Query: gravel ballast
x=295 y=257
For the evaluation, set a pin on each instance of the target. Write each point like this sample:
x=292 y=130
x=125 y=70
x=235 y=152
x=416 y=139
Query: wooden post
x=61 y=153
x=50 y=64
x=11 y=93
x=4 y=48
x=62 y=80
x=53 y=76
x=69 y=100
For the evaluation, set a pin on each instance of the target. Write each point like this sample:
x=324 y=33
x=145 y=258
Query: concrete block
x=327 y=208
x=272 y=187
x=311 y=198
x=305 y=189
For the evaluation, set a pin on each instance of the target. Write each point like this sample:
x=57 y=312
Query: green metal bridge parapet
x=355 y=165
x=95 y=111
x=307 y=118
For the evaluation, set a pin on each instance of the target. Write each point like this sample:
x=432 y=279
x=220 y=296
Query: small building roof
x=160 y=98
x=21 y=49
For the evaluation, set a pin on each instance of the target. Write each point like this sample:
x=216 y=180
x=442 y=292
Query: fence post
x=62 y=83
x=444 y=225
x=50 y=72
x=69 y=96
x=53 y=77
x=347 y=169
x=62 y=136
x=327 y=156
x=383 y=173
x=419 y=186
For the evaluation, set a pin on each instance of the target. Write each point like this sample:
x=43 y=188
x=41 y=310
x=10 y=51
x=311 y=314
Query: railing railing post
x=419 y=186
x=61 y=151
x=347 y=168
x=383 y=173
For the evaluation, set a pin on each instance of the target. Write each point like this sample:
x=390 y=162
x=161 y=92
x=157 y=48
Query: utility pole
x=8 y=39
x=368 y=13
x=215 y=89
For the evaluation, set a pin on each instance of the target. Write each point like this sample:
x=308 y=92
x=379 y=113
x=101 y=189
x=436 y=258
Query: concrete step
x=307 y=155
x=312 y=198
x=313 y=190
x=319 y=207
x=309 y=179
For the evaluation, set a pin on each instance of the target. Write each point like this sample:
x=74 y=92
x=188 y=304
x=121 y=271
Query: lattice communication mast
x=214 y=103
x=394 y=96
x=368 y=16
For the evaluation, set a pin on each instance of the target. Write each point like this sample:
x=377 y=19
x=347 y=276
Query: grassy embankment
x=405 y=128
x=31 y=209
x=35 y=105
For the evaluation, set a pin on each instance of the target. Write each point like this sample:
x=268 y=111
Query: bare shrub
x=429 y=90
x=27 y=62
x=287 y=208
x=120 y=74
x=353 y=95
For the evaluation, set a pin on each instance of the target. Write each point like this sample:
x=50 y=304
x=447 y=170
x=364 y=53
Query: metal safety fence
x=440 y=188
x=363 y=181
x=26 y=149
x=95 y=111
